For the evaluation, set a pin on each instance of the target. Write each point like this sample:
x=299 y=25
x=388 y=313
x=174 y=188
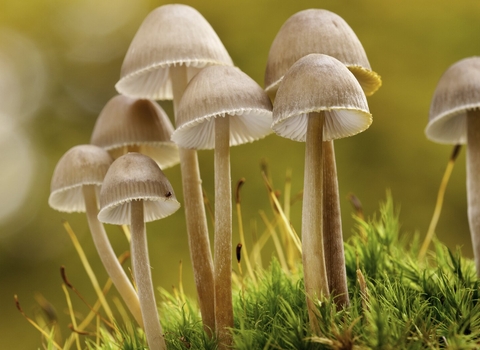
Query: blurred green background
x=59 y=61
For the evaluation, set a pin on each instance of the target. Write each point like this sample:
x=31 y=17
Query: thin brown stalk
x=439 y=203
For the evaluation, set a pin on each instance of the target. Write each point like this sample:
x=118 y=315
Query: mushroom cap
x=222 y=91
x=171 y=35
x=126 y=121
x=318 y=31
x=80 y=165
x=135 y=177
x=457 y=92
x=317 y=83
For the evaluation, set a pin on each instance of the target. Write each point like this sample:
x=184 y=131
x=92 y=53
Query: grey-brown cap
x=217 y=92
x=139 y=123
x=318 y=31
x=317 y=83
x=171 y=35
x=80 y=165
x=134 y=177
x=457 y=92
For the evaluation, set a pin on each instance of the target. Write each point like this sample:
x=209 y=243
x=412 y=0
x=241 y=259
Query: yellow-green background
x=59 y=61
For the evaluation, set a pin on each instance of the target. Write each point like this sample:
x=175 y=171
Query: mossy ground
x=397 y=302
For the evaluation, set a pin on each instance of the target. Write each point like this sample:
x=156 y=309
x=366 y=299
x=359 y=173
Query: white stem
x=332 y=229
x=143 y=278
x=197 y=229
x=108 y=257
x=223 y=234
x=473 y=182
x=315 y=274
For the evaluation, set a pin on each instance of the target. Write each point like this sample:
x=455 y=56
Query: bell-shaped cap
x=136 y=123
x=80 y=165
x=171 y=35
x=320 y=83
x=318 y=31
x=457 y=92
x=135 y=177
x=217 y=92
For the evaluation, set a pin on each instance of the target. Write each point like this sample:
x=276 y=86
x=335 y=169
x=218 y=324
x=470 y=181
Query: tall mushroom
x=455 y=119
x=322 y=31
x=136 y=191
x=75 y=186
x=222 y=107
x=318 y=100
x=128 y=124
x=173 y=43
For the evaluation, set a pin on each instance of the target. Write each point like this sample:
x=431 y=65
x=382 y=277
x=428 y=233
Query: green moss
x=397 y=302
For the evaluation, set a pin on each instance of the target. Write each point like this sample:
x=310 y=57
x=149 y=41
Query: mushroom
x=171 y=36
x=455 y=119
x=318 y=100
x=75 y=186
x=128 y=124
x=318 y=31
x=324 y=32
x=173 y=43
x=136 y=191
x=222 y=107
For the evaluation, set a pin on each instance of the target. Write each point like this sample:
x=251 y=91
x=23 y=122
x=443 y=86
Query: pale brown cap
x=171 y=35
x=457 y=92
x=134 y=177
x=126 y=122
x=318 y=31
x=217 y=92
x=317 y=83
x=81 y=165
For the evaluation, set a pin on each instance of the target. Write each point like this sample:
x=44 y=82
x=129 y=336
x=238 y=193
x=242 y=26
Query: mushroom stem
x=315 y=274
x=473 y=184
x=143 y=278
x=107 y=255
x=197 y=229
x=223 y=234
x=332 y=229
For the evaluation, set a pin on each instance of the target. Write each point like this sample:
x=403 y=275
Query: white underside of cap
x=246 y=125
x=70 y=199
x=450 y=127
x=339 y=123
x=164 y=153
x=154 y=83
x=155 y=208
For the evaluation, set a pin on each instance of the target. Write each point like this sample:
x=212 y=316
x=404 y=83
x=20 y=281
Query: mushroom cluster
x=317 y=80
x=173 y=44
x=75 y=187
x=176 y=55
x=131 y=190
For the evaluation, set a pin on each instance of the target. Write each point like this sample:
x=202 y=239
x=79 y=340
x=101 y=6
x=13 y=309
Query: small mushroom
x=128 y=124
x=75 y=186
x=133 y=193
x=455 y=119
x=173 y=44
x=318 y=100
x=222 y=107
